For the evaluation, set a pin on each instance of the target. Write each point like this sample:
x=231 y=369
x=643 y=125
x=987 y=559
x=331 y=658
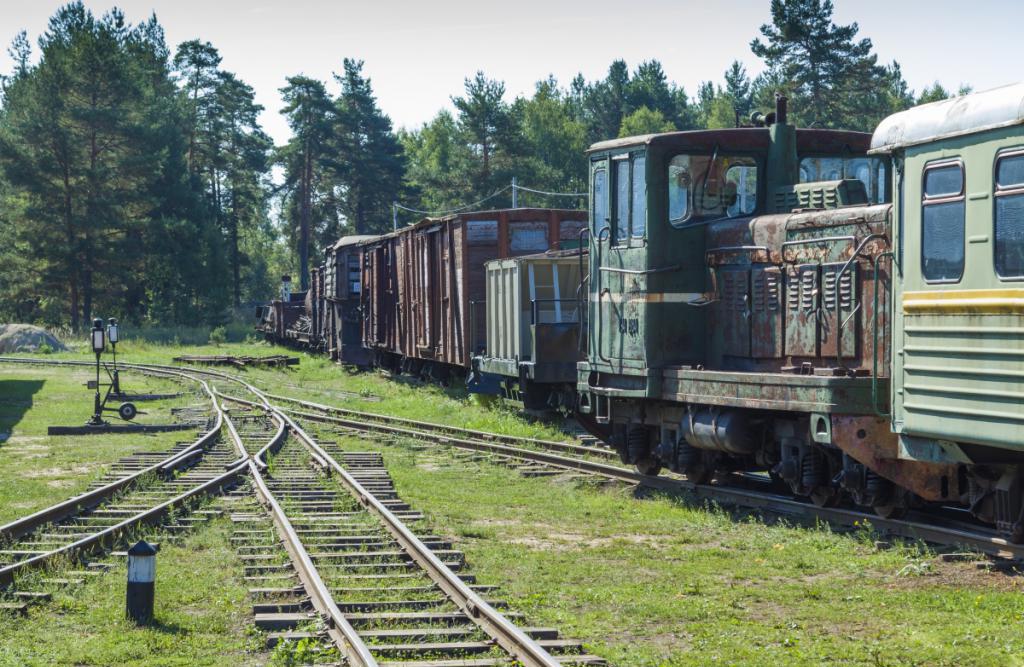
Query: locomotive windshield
x=702 y=188
x=868 y=170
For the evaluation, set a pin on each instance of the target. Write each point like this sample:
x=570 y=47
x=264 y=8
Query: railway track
x=138 y=490
x=382 y=594
x=327 y=518
x=593 y=461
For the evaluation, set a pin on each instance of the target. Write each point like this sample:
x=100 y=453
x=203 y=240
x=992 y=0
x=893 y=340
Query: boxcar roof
x=967 y=114
x=743 y=138
x=354 y=239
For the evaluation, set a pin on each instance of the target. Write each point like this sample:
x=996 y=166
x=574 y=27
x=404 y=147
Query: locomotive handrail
x=821 y=239
x=885 y=414
x=735 y=248
x=641 y=272
x=835 y=291
x=582 y=303
x=534 y=310
x=605 y=231
x=600 y=329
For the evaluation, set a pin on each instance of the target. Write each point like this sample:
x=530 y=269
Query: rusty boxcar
x=424 y=288
x=343 y=312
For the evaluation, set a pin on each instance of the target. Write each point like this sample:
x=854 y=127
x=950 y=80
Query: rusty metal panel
x=802 y=303
x=846 y=311
x=734 y=311
x=766 y=314
x=528 y=237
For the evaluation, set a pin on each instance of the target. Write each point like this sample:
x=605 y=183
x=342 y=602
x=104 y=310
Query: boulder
x=26 y=338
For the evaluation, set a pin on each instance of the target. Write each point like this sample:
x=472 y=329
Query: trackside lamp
x=112 y=331
x=99 y=341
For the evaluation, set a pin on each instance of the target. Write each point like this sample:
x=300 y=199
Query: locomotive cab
x=659 y=205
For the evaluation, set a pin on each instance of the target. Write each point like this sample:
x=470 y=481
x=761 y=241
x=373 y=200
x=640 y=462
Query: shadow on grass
x=166 y=628
x=15 y=401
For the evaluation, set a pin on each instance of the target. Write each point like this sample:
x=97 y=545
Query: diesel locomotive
x=839 y=311
x=857 y=337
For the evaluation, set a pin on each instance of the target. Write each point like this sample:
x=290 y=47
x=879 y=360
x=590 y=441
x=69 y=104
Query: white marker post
x=141 y=582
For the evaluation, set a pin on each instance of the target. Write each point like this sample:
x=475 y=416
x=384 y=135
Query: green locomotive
x=844 y=315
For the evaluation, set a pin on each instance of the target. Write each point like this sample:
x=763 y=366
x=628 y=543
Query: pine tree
x=485 y=118
x=310 y=113
x=245 y=162
x=371 y=163
x=649 y=88
x=834 y=79
x=738 y=90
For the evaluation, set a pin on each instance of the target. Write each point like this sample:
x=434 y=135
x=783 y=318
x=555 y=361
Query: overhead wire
x=466 y=207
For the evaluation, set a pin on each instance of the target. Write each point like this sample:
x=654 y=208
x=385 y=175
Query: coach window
x=942 y=223
x=600 y=200
x=1009 y=218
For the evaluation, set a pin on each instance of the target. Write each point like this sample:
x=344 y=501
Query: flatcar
x=743 y=320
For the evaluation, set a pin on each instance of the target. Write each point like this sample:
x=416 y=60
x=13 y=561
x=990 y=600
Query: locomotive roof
x=957 y=116
x=743 y=138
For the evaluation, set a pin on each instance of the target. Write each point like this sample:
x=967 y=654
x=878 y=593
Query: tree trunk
x=307 y=178
x=72 y=270
x=235 y=268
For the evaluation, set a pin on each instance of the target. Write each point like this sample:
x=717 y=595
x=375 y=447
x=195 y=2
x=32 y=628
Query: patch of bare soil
x=954 y=575
x=58 y=472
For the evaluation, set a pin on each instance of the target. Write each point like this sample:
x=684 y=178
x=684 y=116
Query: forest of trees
x=135 y=179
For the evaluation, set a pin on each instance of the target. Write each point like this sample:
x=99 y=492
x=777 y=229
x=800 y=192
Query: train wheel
x=890 y=511
x=648 y=466
x=825 y=496
x=699 y=474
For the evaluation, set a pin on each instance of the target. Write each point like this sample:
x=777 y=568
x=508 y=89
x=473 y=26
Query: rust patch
x=870 y=441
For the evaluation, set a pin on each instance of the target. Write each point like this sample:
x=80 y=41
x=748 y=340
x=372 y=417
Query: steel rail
x=990 y=544
x=107 y=536
x=985 y=542
x=517 y=643
x=500 y=437
x=20 y=527
x=340 y=631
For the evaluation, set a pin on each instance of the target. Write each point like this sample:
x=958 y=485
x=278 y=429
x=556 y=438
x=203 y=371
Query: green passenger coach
x=958 y=368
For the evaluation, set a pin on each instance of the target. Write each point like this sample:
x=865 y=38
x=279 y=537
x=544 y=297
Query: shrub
x=218 y=336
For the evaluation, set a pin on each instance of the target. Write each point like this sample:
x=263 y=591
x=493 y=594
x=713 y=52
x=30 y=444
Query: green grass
x=646 y=582
x=203 y=616
x=318 y=379
x=37 y=470
x=663 y=582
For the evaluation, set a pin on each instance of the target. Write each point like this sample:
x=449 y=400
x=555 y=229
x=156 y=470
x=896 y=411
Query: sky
x=418 y=54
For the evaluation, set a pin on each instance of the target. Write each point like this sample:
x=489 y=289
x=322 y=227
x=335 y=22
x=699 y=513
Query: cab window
x=622 y=200
x=639 y=196
x=1009 y=216
x=600 y=201
x=630 y=198
x=702 y=189
x=942 y=223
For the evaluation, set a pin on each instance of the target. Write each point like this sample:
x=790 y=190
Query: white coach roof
x=987 y=110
